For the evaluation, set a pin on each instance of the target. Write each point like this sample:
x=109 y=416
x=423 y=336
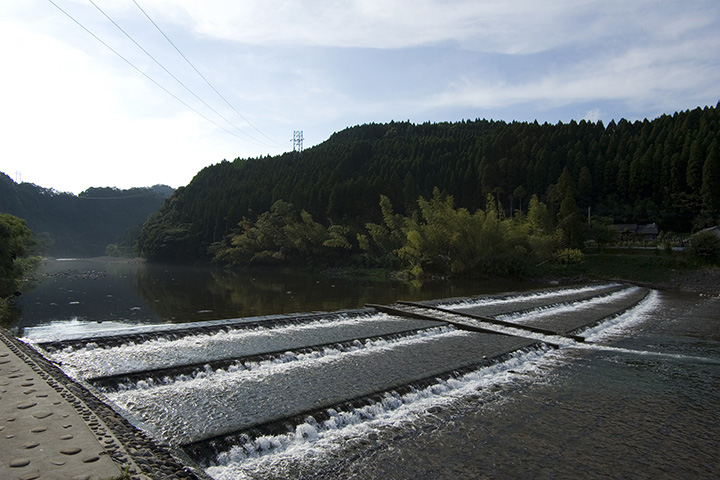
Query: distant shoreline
x=104 y=259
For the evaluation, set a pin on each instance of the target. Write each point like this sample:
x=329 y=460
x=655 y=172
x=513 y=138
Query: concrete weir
x=208 y=387
x=519 y=338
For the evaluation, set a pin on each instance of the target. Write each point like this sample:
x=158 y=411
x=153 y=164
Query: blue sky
x=76 y=115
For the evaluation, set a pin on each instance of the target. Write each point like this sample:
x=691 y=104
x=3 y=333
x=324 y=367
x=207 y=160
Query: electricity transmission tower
x=298 y=141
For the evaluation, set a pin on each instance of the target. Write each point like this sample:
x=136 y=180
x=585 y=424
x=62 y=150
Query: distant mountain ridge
x=80 y=225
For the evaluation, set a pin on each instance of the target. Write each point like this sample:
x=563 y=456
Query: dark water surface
x=89 y=290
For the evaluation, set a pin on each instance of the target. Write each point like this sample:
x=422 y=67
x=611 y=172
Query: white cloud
x=72 y=108
x=65 y=121
x=502 y=26
x=497 y=25
x=663 y=75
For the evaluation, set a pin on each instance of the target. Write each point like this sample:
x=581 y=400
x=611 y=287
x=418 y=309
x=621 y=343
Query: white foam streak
x=287 y=361
x=222 y=379
x=91 y=361
x=620 y=324
x=524 y=296
x=182 y=412
x=73 y=328
x=537 y=313
x=311 y=439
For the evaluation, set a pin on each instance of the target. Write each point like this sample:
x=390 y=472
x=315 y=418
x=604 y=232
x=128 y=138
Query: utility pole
x=298 y=141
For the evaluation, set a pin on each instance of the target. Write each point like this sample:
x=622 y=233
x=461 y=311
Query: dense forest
x=665 y=171
x=81 y=225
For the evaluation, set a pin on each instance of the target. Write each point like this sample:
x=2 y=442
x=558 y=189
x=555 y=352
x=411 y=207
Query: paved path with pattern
x=45 y=432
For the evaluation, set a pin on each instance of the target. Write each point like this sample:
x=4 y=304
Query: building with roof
x=647 y=232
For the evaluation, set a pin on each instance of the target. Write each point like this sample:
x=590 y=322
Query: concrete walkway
x=51 y=427
x=42 y=433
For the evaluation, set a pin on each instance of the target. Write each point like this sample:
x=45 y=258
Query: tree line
x=665 y=170
x=437 y=239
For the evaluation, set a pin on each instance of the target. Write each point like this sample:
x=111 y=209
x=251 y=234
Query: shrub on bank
x=15 y=243
x=705 y=246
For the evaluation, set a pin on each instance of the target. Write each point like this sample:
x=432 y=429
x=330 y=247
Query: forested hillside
x=666 y=171
x=84 y=224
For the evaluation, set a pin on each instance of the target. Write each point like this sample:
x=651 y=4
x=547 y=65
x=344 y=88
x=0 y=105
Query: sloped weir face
x=233 y=392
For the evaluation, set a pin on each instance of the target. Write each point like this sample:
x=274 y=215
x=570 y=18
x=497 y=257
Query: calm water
x=98 y=291
x=639 y=399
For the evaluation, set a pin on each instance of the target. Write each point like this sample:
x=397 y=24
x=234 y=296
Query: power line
x=141 y=72
x=200 y=74
x=171 y=74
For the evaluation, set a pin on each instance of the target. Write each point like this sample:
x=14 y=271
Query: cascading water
x=401 y=368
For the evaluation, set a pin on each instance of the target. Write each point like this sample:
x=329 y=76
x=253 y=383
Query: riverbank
x=658 y=271
x=704 y=281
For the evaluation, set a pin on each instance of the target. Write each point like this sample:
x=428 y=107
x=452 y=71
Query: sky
x=133 y=93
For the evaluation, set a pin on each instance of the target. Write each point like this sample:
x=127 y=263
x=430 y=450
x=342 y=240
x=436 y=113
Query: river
x=81 y=293
x=363 y=394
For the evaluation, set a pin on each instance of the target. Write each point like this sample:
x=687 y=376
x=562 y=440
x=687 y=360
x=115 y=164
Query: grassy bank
x=637 y=267
x=653 y=268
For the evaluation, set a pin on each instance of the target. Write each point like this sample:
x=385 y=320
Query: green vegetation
x=663 y=171
x=637 y=267
x=81 y=225
x=15 y=246
x=705 y=246
x=436 y=240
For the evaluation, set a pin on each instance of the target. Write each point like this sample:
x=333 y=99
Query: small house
x=645 y=232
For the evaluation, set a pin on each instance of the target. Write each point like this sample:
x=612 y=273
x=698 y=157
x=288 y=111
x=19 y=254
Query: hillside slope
x=79 y=225
x=666 y=171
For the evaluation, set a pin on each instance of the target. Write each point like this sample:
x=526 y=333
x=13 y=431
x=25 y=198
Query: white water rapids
x=192 y=407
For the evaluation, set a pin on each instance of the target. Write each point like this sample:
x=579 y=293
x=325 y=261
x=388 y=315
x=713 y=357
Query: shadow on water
x=95 y=290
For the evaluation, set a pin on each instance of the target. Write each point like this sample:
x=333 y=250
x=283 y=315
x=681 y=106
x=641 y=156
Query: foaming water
x=532 y=296
x=540 y=312
x=188 y=409
x=90 y=361
x=74 y=328
x=284 y=362
x=313 y=440
x=619 y=325
x=347 y=383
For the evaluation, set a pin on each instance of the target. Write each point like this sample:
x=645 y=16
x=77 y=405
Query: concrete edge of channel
x=141 y=456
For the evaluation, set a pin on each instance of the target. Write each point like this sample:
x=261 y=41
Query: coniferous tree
x=711 y=180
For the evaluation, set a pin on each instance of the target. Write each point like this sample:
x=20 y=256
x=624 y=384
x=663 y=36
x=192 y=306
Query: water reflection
x=133 y=292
